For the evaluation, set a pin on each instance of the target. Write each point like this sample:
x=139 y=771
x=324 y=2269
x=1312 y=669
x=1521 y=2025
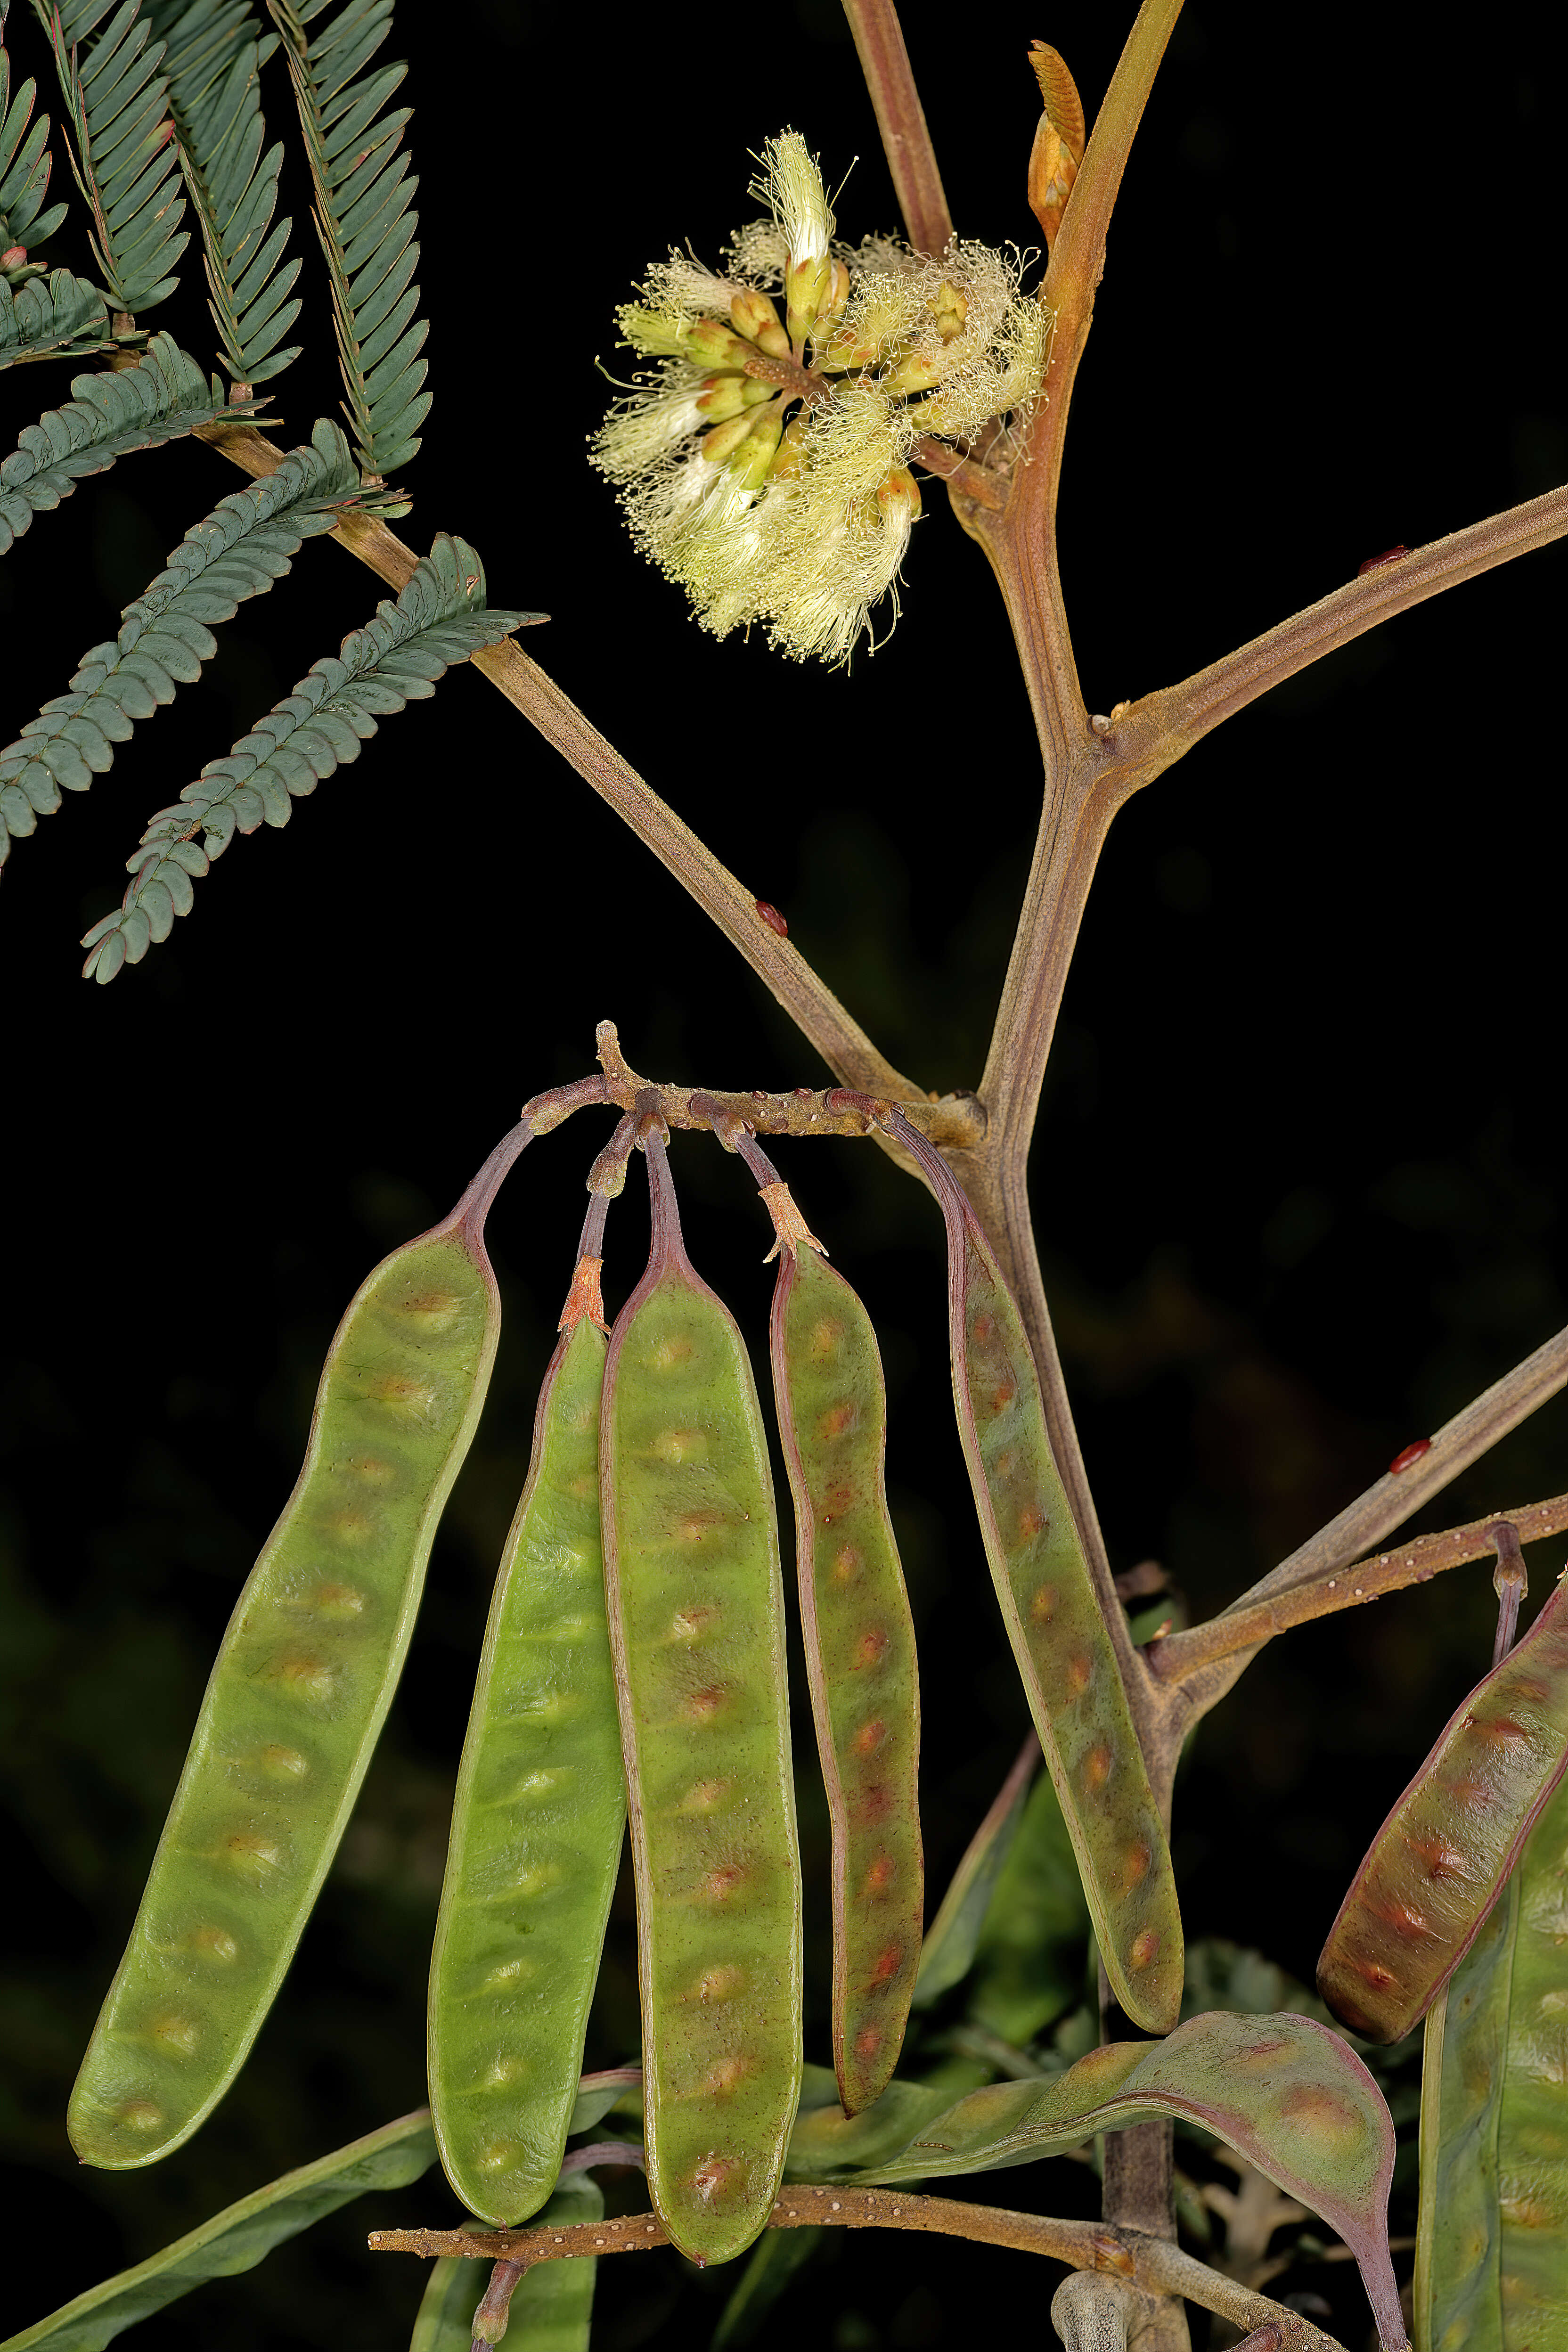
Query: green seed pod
x=859 y=1658
x=696 y=1606
x=1444 y=1854
x=298 y=1696
x=1054 y=1621
x=537 y=1822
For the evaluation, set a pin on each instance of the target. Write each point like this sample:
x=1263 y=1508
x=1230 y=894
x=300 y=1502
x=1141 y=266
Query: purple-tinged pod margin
x=1441 y=1859
x=1054 y=1620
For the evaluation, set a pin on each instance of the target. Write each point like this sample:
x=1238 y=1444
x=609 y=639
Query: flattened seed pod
x=537 y=1818
x=859 y=1658
x=1444 y=1854
x=1054 y=1621
x=299 y=1692
x=696 y=1604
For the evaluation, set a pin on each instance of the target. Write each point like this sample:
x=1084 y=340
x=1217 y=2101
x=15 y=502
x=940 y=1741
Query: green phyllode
x=299 y=1692
x=538 y=1815
x=696 y=1609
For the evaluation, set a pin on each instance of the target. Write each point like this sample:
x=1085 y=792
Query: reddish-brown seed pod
x=1443 y=1856
x=859 y=1644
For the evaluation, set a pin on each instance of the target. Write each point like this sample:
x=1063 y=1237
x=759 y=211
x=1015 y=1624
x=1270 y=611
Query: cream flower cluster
x=765 y=464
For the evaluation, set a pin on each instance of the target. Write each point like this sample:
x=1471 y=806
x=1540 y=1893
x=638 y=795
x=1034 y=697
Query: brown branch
x=843 y=1045
x=1157 y=729
x=1145 y=2262
x=966 y=474
x=1180 y=1655
x=900 y=118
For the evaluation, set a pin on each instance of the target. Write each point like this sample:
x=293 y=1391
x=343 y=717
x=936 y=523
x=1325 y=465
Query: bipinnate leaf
x=239 y=2237
x=1491 y=2251
x=440 y=617
x=123 y=153
x=25 y=167
x=1286 y=2094
x=1443 y=1856
x=237 y=551
x=947 y=1953
x=365 y=216
x=164 y=396
x=213 y=62
x=57 y=316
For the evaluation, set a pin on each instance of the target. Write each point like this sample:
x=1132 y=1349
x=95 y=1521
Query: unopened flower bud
x=916 y=373
x=722 y=396
x=718 y=444
x=900 y=493
x=808 y=286
x=751 y=461
x=754 y=316
x=712 y=345
x=790 y=461
x=949 y=308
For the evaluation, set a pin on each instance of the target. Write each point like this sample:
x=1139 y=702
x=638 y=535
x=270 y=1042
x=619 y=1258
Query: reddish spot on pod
x=1402 y=1460
x=837 y=1419
x=879 y=1877
x=1438 y=1858
x=871 y=1648
x=713 y=2175
x=868 y=2042
x=704 y=1704
x=1142 y=1949
x=1470 y=1794
x=1375 y=1974
x=771 y=916
x=1002 y=1395
x=1135 y=1865
x=726 y=2076
x=1323 y=2115
x=1499 y=1727
x=1080 y=1673
x=1043 y=1607
x=886 y=1966
x=1389 y=555
x=1031 y=1520
x=981 y=1327
x=720 y=1883
x=1402 y=1918
x=872 y=1805
x=846 y=1564
x=1096 y=1766
x=869 y=1736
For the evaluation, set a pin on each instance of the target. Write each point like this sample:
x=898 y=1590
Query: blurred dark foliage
x=1296 y=1172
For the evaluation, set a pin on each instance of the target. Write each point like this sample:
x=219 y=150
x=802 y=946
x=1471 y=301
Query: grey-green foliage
x=438 y=618
x=109 y=414
x=364 y=216
x=25 y=165
x=948 y=1952
x=238 y=550
x=125 y=162
x=55 y=317
x=237 y=2238
x=215 y=55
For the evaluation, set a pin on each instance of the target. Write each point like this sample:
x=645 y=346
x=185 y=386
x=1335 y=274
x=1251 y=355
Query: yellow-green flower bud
x=790 y=459
x=718 y=444
x=916 y=373
x=949 y=308
x=808 y=286
x=750 y=463
x=722 y=396
x=899 y=493
x=711 y=344
x=754 y=316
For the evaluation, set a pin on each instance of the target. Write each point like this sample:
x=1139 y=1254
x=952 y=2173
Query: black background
x=1297 y=1168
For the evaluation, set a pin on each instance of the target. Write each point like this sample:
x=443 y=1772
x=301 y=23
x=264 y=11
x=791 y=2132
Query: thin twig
x=844 y=1045
x=900 y=118
x=1181 y=1656
x=1159 y=727
x=1143 y=2260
